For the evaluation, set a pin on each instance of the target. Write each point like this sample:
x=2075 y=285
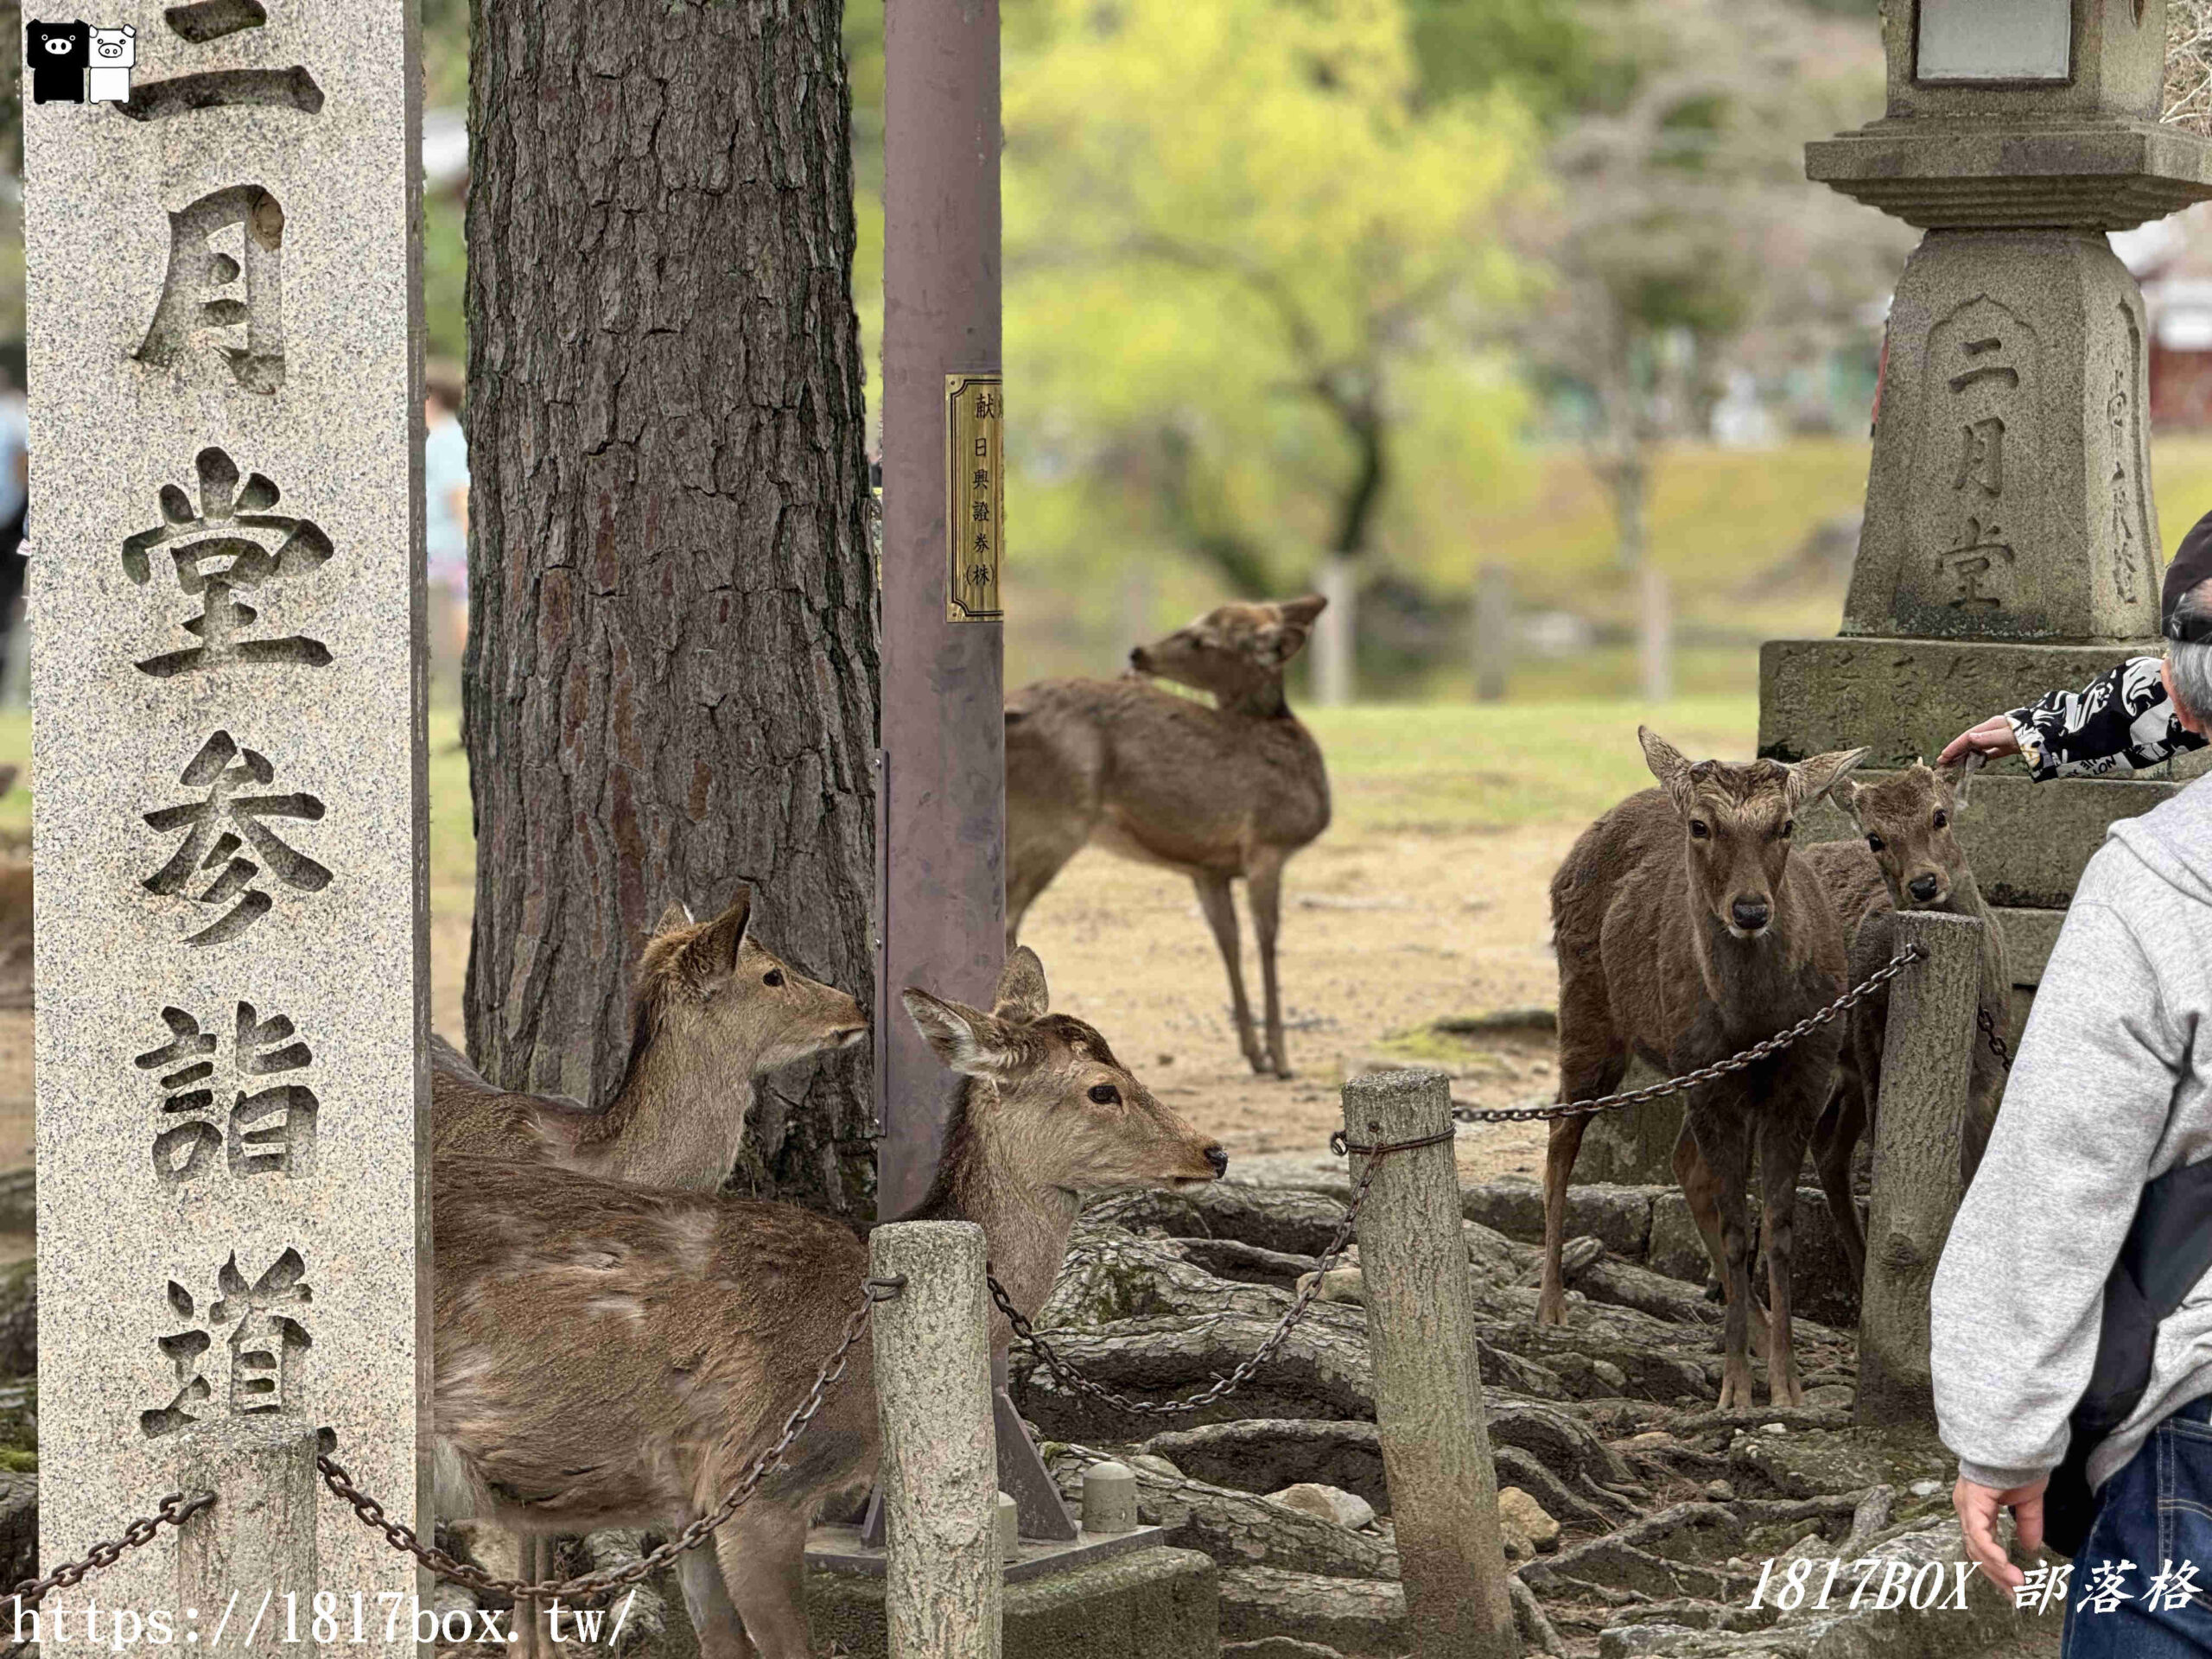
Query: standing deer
x=611 y=1356
x=1686 y=933
x=1908 y=860
x=712 y=1011
x=1216 y=792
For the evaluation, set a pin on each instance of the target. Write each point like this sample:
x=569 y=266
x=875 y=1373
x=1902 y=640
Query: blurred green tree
x=1682 y=243
x=1249 y=258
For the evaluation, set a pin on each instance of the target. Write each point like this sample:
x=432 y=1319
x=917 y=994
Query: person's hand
x=1978 y=1507
x=1993 y=737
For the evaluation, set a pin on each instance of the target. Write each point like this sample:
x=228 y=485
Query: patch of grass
x=1442 y=768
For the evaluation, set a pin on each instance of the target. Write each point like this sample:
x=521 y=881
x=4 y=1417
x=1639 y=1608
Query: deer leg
x=1835 y=1139
x=1723 y=1144
x=714 y=1615
x=763 y=1556
x=1263 y=888
x=1560 y=1154
x=1781 y=1150
x=1587 y=1070
x=1221 y=915
x=1702 y=1192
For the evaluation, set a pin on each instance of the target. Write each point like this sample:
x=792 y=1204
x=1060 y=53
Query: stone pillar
x=226 y=432
x=1493 y=632
x=1927 y=1056
x=2011 y=541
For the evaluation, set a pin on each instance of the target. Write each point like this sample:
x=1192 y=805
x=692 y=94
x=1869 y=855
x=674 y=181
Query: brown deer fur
x=1908 y=860
x=712 y=1011
x=1686 y=933
x=610 y=1355
x=1216 y=792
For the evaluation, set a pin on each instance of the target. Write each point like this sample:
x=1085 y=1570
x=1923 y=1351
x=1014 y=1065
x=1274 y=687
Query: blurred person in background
x=15 y=496
x=445 y=525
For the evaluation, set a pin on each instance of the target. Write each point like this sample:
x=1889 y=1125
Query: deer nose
x=1217 y=1159
x=1750 y=914
x=1137 y=658
x=1921 y=887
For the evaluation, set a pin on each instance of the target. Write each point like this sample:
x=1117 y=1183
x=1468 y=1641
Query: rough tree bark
x=672 y=679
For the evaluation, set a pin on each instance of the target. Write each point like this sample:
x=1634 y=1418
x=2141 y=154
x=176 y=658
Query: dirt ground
x=1382 y=934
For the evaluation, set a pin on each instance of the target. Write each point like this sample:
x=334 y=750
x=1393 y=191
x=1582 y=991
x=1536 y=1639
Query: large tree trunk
x=671 y=681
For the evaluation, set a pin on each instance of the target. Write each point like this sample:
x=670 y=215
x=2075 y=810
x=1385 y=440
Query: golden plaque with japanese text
x=974 y=497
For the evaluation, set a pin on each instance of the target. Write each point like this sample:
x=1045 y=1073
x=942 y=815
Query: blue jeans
x=2155 y=1509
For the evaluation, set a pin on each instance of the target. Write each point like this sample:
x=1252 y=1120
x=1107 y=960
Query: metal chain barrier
x=173 y=1510
x=405 y=1539
x=1704 y=1074
x=1996 y=1043
x=1025 y=1334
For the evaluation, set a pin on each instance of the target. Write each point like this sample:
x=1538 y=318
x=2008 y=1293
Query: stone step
x=1908 y=697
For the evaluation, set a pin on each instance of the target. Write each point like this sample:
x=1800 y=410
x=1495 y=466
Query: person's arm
x=2121 y=717
x=2019 y=1297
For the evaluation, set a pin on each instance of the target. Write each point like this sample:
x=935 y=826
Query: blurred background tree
x=1249 y=258
x=1684 y=247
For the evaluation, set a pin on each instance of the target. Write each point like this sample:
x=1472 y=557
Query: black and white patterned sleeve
x=2120 y=719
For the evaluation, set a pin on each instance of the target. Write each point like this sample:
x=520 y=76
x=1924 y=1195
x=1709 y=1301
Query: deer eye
x=1789 y=828
x=1698 y=830
x=1942 y=817
x=1874 y=843
x=1105 y=1094
x=773 y=976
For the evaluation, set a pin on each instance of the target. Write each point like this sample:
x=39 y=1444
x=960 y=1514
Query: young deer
x=614 y=1356
x=712 y=1011
x=1214 y=792
x=1910 y=860
x=1686 y=932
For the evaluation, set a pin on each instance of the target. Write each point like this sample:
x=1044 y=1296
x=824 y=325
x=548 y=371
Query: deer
x=617 y=1356
x=1215 y=792
x=1686 y=932
x=711 y=1011
x=1908 y=859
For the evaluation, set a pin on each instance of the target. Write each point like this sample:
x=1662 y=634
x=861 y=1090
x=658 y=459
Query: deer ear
x=1845 y=794
x=679 y=914
x=1810 y=779
x=1278 y=643
x=716 y=949
x=966 y=1040
x=1669 y=764
x=1021 y=993
x=1300 y=612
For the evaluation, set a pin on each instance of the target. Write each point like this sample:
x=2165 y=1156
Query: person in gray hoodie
x=2111 y=1088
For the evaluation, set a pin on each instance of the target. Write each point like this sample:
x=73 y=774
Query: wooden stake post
x=1428 y=1403
x=1926 y=1062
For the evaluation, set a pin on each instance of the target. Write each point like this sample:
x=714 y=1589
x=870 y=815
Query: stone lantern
x=2011 y=541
